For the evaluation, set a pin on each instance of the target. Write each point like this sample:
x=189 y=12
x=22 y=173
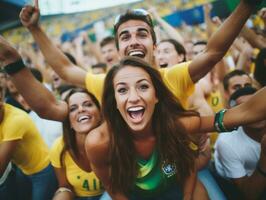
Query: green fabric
x=153 y=178
x=149 y=176
x=231 y=4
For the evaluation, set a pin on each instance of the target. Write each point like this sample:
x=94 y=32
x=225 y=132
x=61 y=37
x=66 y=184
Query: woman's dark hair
x=178 y=47
x=68 y=132
x=172 y=141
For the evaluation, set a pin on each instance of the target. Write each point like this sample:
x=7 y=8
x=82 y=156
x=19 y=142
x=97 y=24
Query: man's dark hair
x=178 y=47
x=107 y=40
x=132 y=15
x=231 y=74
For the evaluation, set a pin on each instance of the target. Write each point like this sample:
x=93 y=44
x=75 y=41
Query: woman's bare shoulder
x=97 y=141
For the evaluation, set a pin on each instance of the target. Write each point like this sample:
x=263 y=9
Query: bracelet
x=261 y=171
x=14 y=67
x=218 y=122
x=63 y=189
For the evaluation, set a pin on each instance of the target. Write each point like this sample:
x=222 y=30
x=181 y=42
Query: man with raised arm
x=135 y=36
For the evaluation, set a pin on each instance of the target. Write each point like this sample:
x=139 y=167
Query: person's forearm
x=255 y=40
x=57 y=60
x=223 y=38
x=251 y=111
x=54 y=56
x=40 y=99
x=220 y=42
x=170 y=30
x=49 y=50
x=207 y=18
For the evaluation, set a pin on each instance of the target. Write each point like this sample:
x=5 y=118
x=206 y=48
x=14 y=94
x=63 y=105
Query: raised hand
x=8 y=54
x=207 y=8
x=29 y=15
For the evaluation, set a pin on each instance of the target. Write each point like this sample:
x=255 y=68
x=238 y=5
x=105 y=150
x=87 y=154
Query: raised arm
x=29 y=17
x=40 y=99
x=257 y=41
x=169 y=30
x=220 y=41
x=97 y=150
x=253 y=110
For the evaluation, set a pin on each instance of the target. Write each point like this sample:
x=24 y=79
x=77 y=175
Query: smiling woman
x=143 y=138
x=142 y=150
x=68 y=157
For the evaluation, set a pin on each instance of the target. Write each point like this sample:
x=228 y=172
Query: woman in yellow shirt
x=22 y=144
x=68 y=157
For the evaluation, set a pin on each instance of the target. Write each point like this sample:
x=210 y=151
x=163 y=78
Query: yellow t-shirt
x=31 y=154
x=176 y=78
x=85 y=184
x=215 y=101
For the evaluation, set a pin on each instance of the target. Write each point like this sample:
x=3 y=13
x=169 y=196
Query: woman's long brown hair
x=172 y=141
x=69 y=138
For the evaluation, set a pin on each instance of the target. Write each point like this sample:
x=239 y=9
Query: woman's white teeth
x=83 y=118
x=138 y=108
x=136 y=112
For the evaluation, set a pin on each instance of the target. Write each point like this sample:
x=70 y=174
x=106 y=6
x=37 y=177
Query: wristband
x=218 y=122
x=14 y=67
x=63 y=189
x=261 y=171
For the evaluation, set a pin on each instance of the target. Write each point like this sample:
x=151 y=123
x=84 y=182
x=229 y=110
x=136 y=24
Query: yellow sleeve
x=15 y=127
x=178 y=80
x=55 y=152
x=94 y=84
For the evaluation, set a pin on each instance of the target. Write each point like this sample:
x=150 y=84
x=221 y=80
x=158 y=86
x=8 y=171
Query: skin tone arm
x=29 y=17
x=62 y=182
x=253 y=186
x=170 y=30
x=6 y=151
x=96 y=146
x=255 y=40
x=245 y=55
x=220 y=42
x=208 y=21
x=189 y=186
x=192 y=188
x=248 y=112
x=40 y=99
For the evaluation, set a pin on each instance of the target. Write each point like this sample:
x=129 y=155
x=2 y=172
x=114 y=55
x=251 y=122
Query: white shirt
x=236 y=154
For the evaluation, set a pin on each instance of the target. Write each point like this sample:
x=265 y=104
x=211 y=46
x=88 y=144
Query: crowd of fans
x=71 y=120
